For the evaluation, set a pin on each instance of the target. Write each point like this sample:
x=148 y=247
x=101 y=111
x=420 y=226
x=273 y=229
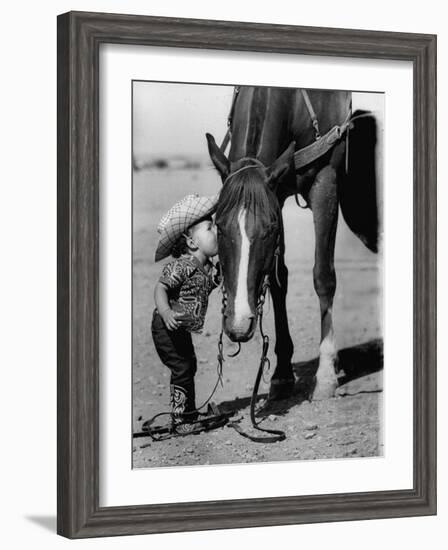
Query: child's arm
x=163 y=307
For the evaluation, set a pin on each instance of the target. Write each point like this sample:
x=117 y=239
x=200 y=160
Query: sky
x=172 y=118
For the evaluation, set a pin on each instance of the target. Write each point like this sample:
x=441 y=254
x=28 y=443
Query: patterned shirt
x=189 y=284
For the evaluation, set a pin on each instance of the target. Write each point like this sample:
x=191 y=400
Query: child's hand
x=169 y=318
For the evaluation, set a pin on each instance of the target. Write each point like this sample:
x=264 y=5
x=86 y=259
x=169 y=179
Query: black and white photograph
x=224 y=264
x=257 y=274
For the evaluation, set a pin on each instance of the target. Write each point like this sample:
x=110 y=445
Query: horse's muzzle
x=240 y=330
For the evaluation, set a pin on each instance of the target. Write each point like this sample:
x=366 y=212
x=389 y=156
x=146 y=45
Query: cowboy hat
x=178 y=219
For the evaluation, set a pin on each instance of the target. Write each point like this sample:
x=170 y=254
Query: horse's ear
x=219 y=159
x=280 y=167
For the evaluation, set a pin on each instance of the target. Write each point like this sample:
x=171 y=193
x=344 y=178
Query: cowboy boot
x=183 y=411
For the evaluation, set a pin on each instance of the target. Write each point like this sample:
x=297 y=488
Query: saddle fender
x=357 y=181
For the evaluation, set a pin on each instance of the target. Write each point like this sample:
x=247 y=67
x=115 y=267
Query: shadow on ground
x=46 y=522
x=354 y=363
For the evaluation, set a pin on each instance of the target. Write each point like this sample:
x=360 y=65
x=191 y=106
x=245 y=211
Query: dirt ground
x=348 y=425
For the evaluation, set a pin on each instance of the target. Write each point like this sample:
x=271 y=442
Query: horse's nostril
x=240 y=330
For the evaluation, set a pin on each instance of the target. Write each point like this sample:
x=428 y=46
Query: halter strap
x=257 y=164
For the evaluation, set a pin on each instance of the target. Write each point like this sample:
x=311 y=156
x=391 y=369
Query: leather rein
x=263 y=367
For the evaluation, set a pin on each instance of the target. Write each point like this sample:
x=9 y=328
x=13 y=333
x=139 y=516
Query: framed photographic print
x=246 y=274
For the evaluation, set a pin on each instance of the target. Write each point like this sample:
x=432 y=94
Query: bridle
x=256 y=164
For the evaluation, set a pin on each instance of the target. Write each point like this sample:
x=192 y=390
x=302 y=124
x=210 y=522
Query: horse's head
x=249 y=223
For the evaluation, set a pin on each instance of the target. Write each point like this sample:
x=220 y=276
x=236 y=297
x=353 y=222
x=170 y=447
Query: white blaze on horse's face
x=242 y=313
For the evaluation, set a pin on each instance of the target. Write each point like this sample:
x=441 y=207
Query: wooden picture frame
x=79 y=38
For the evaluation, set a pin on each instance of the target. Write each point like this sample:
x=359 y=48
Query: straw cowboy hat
x=178 y=219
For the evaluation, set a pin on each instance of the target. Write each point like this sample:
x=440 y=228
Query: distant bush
x=160 y=164
x=177 y=162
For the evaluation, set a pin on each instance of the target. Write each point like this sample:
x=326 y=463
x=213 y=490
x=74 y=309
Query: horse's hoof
x=324 y=390
x=281 y=388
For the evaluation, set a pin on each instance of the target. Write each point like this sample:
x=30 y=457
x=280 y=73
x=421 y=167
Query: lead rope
x=277 y=435
x=147 y=431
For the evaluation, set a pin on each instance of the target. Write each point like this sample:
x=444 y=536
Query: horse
x=267 y=127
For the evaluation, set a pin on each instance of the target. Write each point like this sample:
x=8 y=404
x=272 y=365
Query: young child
x=188 y=233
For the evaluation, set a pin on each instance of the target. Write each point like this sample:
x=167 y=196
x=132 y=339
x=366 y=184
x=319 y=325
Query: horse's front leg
x=282 y=382
x=324 y=204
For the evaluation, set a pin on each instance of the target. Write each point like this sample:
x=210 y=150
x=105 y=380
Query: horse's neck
x=268 y=119
x=263 y=116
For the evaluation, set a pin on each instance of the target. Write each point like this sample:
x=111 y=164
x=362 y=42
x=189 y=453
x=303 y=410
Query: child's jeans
x=176 y=351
